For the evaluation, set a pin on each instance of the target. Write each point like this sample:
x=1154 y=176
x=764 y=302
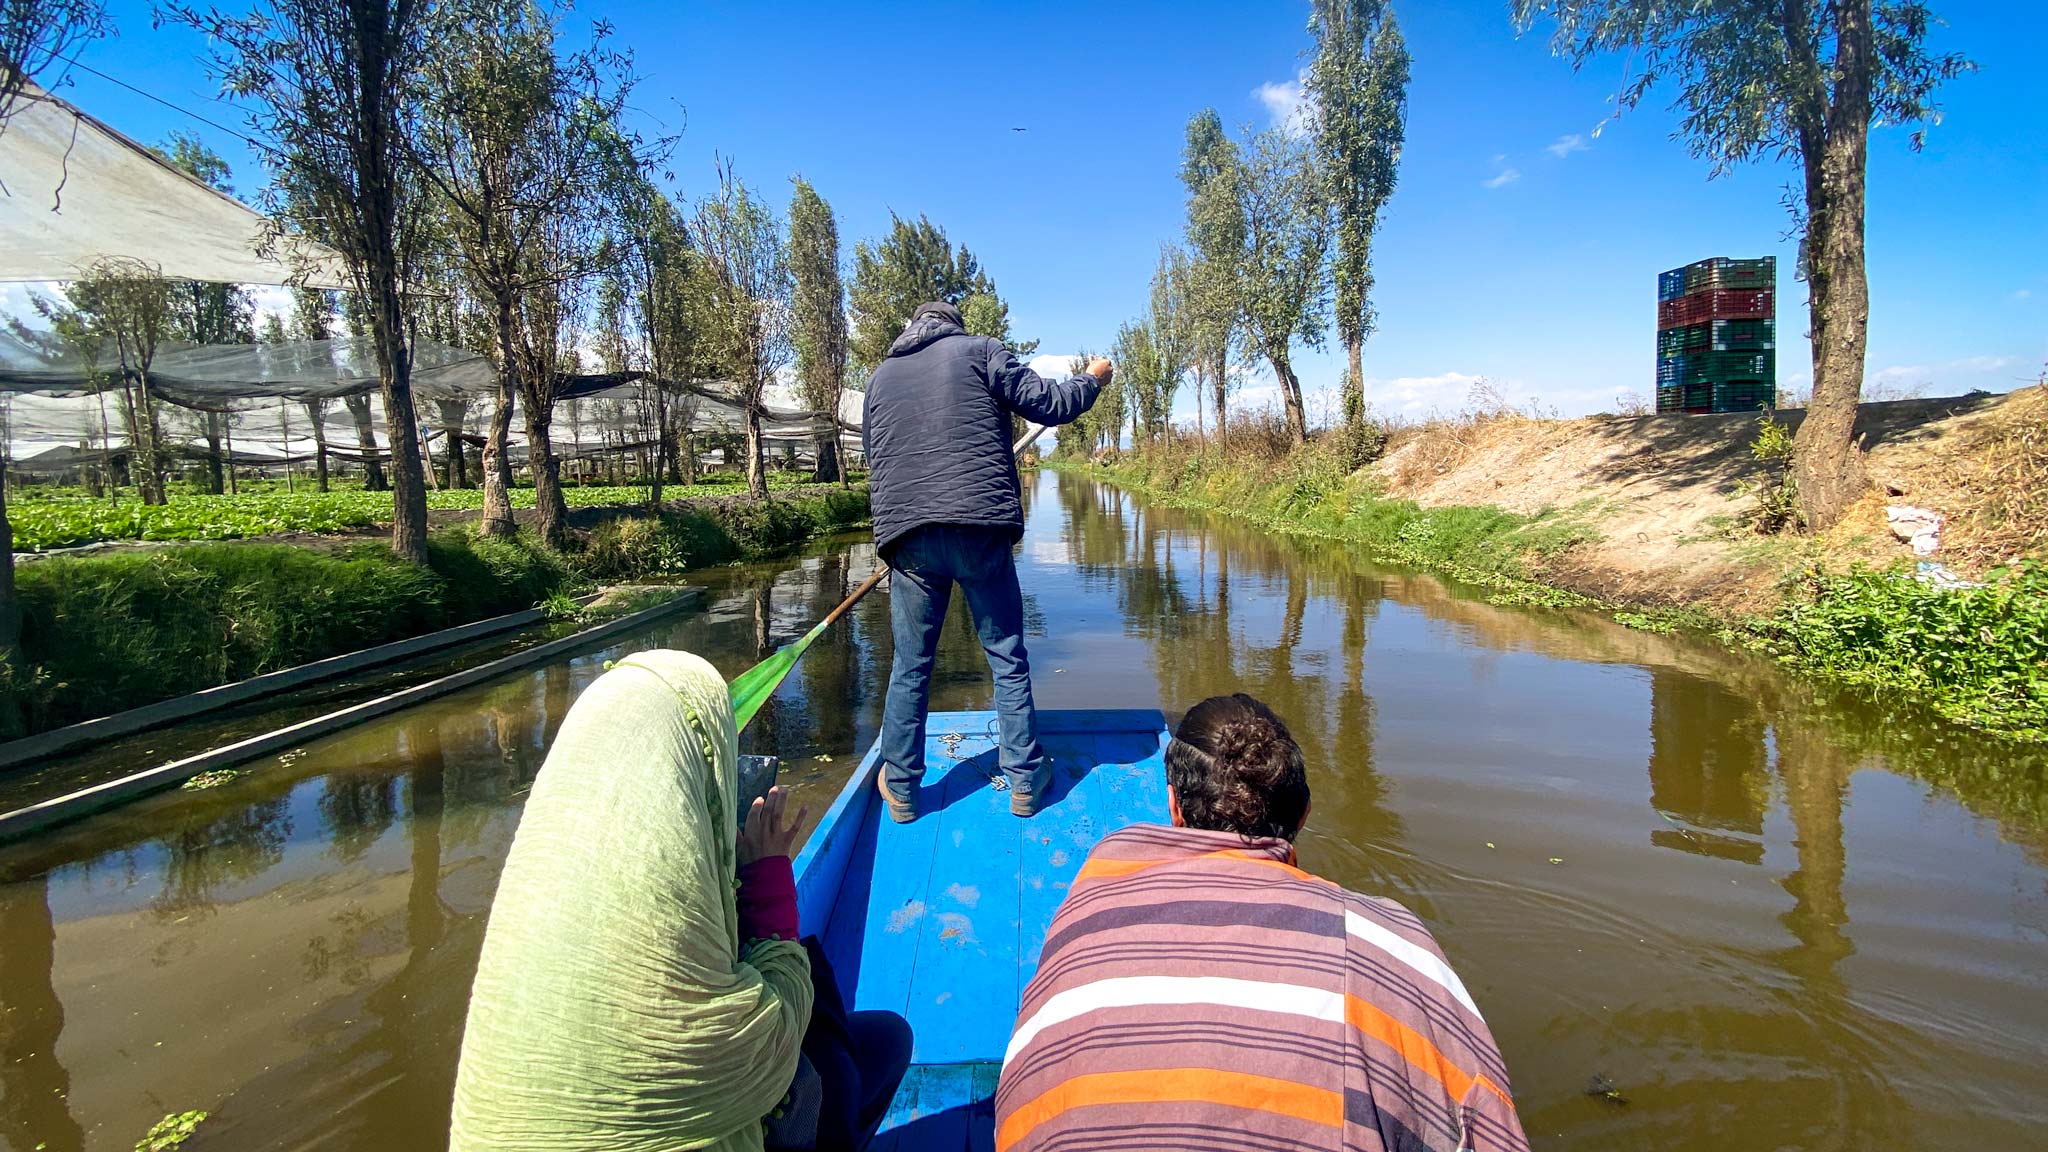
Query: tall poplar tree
x=1358 y=88
x=818 y=315
x=1212 y=173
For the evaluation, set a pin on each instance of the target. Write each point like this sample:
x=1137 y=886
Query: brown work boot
x=901 y=811
x=1027 y=800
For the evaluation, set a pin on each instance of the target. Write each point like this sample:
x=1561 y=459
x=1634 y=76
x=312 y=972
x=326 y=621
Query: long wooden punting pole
x=752 y=688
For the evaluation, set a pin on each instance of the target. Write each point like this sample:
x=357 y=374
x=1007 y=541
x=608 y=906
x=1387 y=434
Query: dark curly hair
x=1235 y=768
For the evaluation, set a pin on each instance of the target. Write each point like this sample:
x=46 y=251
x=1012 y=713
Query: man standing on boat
x=947 y=510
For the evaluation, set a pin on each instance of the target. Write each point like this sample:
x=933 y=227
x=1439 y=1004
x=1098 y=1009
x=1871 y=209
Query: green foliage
x=1280 y=283
x=101 y=633
x=1757 y=80
x=1359 y=81
x=1775 y=494
x=913 y=265
x=1978 y=655
x=818 y=300
x=170 y=1132
x=676 y=541
x=44 y=520
x=1211 y=171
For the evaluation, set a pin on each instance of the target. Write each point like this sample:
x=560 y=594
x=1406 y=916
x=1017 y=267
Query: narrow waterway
x=1702 y=906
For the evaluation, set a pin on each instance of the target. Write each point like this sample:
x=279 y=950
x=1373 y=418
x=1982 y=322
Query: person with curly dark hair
x=1198 y=990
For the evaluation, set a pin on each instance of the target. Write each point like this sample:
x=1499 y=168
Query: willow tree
x=333 y=83
x=1358 y=88
x=511 y=138
x=37 y=35
x=1793 y=79
x=1138 y=366
x=1280 y=282
x=818 y=315
x=746 y=265
x=1211 y=171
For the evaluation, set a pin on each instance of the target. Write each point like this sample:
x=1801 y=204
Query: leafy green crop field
x=45 y=518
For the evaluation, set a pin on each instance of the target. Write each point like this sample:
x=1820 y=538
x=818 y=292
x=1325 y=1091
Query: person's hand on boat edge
x=765 y=833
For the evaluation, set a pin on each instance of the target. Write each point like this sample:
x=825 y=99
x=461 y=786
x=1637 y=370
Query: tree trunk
x=454 y=470
x=216 y=481
x=316 y=414
x=547 y=477
x=828 y=458
x=660 y=442
x=1354 y=403
x=152 y=445
x=1290 y=392
x=1827 y=466
x=686 y=447
x=12 y=723
x=497 y=463
x=366 y=441
x=1219 y=379
x=1201 y=388
x=394 y=363
x=757 y=473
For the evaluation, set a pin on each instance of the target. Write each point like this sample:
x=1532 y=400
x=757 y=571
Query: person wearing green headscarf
x=619 y=1004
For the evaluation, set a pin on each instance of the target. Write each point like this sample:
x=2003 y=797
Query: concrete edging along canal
x=75 y=736
x=35 y=817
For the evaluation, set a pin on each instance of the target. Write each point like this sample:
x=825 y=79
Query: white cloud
x=1052 y=366
x=1502 y=178
x=1929 y=373
x=1564 y=146
x=1286 y=102
x=2023 y=294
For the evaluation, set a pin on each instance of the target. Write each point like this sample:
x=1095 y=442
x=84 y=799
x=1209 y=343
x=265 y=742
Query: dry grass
x=2000 y=473
x=1442 y=444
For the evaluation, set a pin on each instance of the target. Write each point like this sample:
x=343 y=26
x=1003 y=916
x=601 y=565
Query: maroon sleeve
x=767 y=900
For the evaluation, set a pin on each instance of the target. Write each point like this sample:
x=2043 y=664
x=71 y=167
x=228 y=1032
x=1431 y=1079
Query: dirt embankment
x=1665 y=493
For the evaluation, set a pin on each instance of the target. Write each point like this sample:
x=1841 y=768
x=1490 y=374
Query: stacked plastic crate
x=1717 y=336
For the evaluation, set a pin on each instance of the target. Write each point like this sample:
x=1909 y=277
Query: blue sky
x=1521 y=246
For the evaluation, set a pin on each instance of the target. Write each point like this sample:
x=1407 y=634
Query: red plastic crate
x=1724 y=304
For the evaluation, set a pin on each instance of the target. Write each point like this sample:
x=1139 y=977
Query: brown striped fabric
x=1199 y=992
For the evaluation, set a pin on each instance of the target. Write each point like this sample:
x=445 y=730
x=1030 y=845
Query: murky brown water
x=1775 y=918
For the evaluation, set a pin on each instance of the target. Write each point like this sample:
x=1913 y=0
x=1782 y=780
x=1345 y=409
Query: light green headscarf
x=613 y=1008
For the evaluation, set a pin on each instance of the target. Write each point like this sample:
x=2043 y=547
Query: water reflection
x=35 y=1090
x=1810 y=917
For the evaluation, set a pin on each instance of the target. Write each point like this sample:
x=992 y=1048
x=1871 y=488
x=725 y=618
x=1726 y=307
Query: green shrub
x=1978 y=655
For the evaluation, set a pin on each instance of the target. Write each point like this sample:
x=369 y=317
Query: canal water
x=1703 y=906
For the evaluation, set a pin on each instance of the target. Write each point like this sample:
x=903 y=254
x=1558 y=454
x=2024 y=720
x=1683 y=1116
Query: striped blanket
x=1201 y=993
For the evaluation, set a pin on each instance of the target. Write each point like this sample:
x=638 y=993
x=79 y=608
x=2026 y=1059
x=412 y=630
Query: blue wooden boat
x=942 y=920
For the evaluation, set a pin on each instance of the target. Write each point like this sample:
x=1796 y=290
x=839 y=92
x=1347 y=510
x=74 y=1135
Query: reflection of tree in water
x=358 y=808
x=389 y=1085
x=35 y=1089
x=1200 y=591
x=1708 y=775
x=205 y=853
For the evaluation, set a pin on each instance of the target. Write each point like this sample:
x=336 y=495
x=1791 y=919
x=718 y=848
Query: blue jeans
x=924 y=566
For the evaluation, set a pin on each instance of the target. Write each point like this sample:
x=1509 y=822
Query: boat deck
x=942 y=920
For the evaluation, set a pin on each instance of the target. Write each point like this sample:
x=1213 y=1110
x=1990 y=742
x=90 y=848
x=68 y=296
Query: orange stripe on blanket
x=1098 y=868
x=1174 y=1085
x=1416 y=1050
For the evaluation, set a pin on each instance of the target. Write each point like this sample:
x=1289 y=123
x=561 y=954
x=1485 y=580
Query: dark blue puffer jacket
x=937 y=429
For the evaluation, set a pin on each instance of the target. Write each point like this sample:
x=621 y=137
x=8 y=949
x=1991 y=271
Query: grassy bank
x=1977 y=655
x=106 y=632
